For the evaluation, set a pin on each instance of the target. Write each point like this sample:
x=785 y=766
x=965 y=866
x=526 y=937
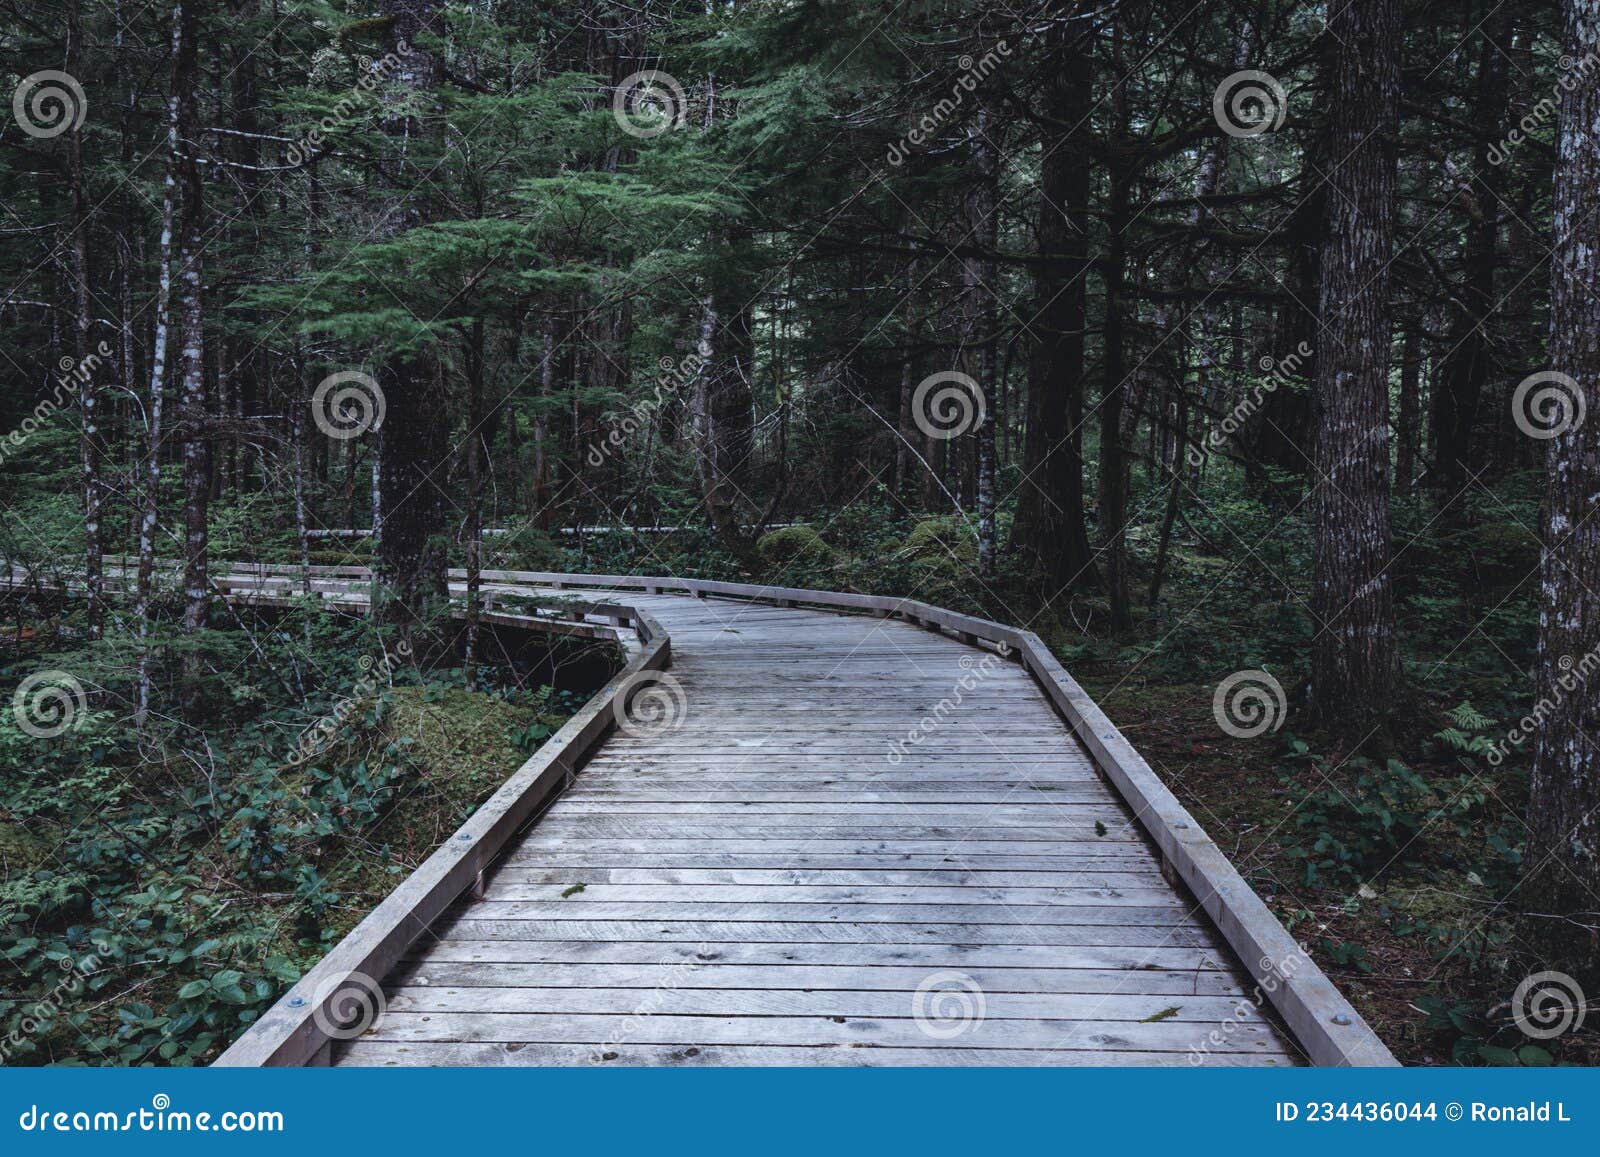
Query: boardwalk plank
x=563 y=1028
x=387 y=1053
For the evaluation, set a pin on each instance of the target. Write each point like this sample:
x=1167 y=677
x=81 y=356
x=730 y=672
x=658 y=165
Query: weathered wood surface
x=772 y=880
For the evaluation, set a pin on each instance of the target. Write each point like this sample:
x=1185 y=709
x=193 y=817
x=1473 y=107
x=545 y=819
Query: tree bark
x=193 y=417
x=474 y=365
x=983 y=231
x=1050 y=530
x=1564 y=801
x=150 y=499
x=1406 y=426
x=721 y=407
x=1113 y=496
x=85 y=370
x=1354 y=668
x=1465 y=368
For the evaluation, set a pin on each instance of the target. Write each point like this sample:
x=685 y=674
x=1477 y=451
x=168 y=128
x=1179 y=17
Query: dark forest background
x=1241 y=339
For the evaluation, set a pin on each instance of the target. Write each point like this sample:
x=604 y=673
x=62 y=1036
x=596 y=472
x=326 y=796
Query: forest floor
x=151 y=906
x=1417 y=945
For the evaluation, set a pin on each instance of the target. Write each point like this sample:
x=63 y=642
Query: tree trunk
x=905 y=472
x=983 y=231
x=1564 y=801
x=191 y=358
x=1406 y=426
x=413 y=440
x=1465 y=368
x=474 y=365
x=151 y=497
x=1050 y=530
x=1113 y=496
x=85 y=369
x=1353 y=661
x=722 y=407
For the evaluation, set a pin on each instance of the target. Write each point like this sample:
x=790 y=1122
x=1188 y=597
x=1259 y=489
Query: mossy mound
x=20 y=850
x=460 y=741
x=942 y=540
x=942 y=557
x=794 y=544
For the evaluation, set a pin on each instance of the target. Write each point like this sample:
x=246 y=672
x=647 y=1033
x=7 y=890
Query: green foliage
x=1359 y=817
x=189 y=877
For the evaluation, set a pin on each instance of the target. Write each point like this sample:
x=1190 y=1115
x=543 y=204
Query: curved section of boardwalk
x=861 y=843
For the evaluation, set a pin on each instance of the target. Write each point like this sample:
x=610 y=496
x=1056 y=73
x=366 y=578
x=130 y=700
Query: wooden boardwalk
x=796 y=869
x=807 y=828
